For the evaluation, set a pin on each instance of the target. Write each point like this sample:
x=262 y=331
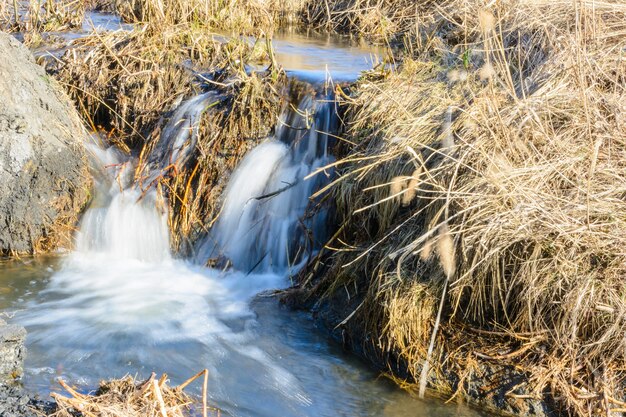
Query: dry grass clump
x=243 y=16
x=123 y=81
x=42 y=15
x=514 y=149
x=128 y=398
x=379 y=20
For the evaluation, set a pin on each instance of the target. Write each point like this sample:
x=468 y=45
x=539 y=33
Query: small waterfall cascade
x=266 y=223
x=177 y=142
x=128 y=227
x=127 y=220
x=123 y=301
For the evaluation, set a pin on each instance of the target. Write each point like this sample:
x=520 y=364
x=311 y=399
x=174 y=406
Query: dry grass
x=42 y=15
x=123 y=81
x=518 y=138
x=243 y=16
x=377 y=20
x=128 y=398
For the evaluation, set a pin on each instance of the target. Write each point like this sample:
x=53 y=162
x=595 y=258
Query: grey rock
x=44 y=179
x=14 y=402
x=12 y=351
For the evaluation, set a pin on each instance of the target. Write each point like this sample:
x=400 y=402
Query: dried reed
x=521 y=159
x=242 y=16
x=128 y=398
x=42 y=15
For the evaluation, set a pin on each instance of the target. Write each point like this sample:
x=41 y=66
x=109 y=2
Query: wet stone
x=12 y=351
x=36 y=121
x=14 y=402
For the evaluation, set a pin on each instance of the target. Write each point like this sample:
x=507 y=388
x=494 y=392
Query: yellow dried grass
x=34 y=16
x=523 y=164
x=241 y=16
x=128 y=398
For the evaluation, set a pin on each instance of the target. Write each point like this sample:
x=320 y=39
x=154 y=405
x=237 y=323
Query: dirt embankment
x=44 y=181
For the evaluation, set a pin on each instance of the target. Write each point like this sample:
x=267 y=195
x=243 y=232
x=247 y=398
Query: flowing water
x=314 y=57
x=262 y=227
x=122 y=303
x=332 y=383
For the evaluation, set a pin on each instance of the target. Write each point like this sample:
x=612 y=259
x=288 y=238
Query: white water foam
x=263 y=226
x=121 y=300
x=177 y=142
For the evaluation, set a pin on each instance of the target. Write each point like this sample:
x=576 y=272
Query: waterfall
x=123 y=222
x=265 y=223
x=123 y=301
x=128 y=227
x=177 y=142
x=128 y=220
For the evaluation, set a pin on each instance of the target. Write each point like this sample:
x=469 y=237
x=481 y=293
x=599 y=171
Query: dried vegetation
x=377 y=20
x=42 y=15
x=130 y=83
x=242 y=16
x=128 y=398
x=486 y=186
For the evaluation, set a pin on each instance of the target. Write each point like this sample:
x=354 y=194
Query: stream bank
x=44 y=179
x=470 y=191
x=478 y=232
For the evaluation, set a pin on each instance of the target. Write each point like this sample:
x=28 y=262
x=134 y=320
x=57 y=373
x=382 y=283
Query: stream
x=122 y=303
x=306 y=374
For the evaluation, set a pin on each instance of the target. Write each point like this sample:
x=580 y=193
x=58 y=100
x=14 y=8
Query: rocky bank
x=44 y=180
